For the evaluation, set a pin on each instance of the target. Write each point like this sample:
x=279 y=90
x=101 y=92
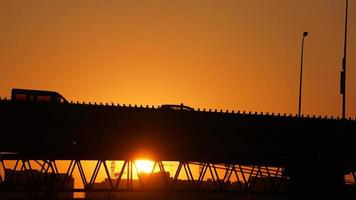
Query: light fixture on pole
x=305 y=34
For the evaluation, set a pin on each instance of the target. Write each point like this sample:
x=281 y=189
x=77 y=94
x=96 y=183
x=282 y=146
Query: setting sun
x=145 y=166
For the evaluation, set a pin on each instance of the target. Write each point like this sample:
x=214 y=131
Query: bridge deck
x=94 y=132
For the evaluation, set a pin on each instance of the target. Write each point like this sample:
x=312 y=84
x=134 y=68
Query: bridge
x=311 y=154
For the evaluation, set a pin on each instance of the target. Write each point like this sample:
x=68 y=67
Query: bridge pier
x=316 y=182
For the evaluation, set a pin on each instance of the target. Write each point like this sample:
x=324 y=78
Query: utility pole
x=343 y=71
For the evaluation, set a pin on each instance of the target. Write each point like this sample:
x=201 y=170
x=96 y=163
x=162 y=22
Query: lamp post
x=305 y=34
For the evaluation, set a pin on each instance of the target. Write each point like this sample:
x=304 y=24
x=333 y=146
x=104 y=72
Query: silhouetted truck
x=36 y=96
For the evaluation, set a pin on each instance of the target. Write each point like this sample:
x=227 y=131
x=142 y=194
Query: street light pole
x=343 y=72
x=305 y=34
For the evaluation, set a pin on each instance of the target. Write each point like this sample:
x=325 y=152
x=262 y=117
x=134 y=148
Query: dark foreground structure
x=312 y=153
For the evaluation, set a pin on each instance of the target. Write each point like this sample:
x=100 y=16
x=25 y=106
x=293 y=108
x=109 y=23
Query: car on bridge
x=176 y=107
x=36 y=96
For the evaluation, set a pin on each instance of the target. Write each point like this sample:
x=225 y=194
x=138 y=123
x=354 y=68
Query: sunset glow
x=241 y=55
x=144 y=166
x=157 y=99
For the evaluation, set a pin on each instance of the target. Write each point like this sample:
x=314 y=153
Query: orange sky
x=238 y=54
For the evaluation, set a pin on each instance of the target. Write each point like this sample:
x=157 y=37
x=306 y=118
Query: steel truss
x=29 y=176
x=212 y=177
